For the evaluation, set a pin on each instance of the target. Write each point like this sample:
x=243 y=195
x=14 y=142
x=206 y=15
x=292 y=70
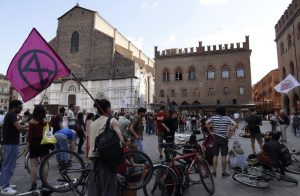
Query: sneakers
x=8 y=191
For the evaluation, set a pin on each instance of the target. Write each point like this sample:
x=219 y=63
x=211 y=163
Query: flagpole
x=97 y=105
x=43 y=97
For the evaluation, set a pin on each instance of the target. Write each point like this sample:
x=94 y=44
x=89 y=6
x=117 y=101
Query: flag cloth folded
x=287 y=84
x=35 y=66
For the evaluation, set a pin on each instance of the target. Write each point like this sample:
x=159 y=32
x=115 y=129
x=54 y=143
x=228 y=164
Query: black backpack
x=108 y=148
x=285 y=155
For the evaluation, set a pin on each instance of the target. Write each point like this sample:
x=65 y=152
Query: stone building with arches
x=287 y=31
x=202 y=78
x=104 y=61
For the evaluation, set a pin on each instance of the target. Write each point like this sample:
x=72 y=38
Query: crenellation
x=292 y=9
x=203 y=49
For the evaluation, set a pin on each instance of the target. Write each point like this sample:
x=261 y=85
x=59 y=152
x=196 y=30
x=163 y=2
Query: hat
x=236 y=144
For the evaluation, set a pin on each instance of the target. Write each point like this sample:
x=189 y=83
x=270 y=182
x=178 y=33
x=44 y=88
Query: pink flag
x=35 y=66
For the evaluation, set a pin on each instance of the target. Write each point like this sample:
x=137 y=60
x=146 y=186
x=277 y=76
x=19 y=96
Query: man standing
x=71 y=117
x=254 y=121
x=194 y=123
x=236 y=117
x=221 y=127
x=11 y=135
x=160 y=130
x=57 y=120
x=284 y=122
x=124 y=123
x=137 y=128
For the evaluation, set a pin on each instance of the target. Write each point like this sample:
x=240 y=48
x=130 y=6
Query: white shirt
x=236 y=115
x=1 y=119
x=71 y=118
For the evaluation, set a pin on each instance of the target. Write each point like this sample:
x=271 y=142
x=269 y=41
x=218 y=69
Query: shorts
x=160 y=138
x=220 y=143
x=256 y=136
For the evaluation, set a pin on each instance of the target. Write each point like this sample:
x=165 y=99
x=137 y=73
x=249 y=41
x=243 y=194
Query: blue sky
x=162 y=23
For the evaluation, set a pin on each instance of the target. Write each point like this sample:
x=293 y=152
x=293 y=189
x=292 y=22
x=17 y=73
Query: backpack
x=107 y=147
x=285 y=155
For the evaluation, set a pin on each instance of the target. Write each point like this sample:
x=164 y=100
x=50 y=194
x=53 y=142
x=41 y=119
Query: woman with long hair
x=35 y=135
x=80 y=130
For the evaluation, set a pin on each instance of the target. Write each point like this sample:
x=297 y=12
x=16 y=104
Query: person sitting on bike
x=270 y=156
x=65 y=137
x=237 y=158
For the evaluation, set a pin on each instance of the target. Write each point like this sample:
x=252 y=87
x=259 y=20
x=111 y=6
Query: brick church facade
x=104 y=60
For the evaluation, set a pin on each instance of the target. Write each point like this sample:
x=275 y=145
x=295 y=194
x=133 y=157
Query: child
x=237 y=158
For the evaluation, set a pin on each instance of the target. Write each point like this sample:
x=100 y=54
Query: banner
x=35 y=66
x=287 y=84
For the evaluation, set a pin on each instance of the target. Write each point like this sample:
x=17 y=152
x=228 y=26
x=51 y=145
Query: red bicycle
x=182 y=170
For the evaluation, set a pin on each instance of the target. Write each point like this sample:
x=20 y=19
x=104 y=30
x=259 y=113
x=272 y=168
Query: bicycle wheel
x=206 y=177
x=251 y=180
x=295 y=166
x=164 y=181
x=280 y=177
x=137 y=169
x=194 y=177
x=65 y=175
x=288 y=179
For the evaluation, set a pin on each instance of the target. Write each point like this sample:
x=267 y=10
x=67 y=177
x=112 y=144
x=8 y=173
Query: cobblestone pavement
x=224 y=186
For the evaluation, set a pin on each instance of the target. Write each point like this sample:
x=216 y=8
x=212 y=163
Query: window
x=162 y=93
x=211 y=92
x=225 y=72
x=72 y=88
x=184 y=93
x=281 y=48
x=226 y=91
x=192 y=73
x=234 y=101
x=218 y=101
x=292 y=70
x=178 y=75
x=242 y=90
x=196 y=92
x=173 y=94
x=240 y=72
x=283 y=73
x=289 y=39
x=210 y=72
x=166 y=76
x=75 y=42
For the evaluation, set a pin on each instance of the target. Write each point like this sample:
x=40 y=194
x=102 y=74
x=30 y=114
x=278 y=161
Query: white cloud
x=212 y=2
x=150 y=4
x=139 y=42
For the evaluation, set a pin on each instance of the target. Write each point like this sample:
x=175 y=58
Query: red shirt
x=160 y=117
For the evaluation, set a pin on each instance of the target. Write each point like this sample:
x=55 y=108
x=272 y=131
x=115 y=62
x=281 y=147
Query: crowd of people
x=72 y=128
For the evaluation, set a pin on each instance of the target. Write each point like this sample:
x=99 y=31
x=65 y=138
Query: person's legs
x=139 y=144
x=259 y=140
x=224 y=153
x=33 y=172
x=160 y=141
x=215 y=151
x=252 y=138
x=9 y=164
x=81 y=141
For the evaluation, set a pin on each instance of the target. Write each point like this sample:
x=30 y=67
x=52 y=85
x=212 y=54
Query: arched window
x=281 y=48
x=192 y=73
x=242 y=90
x=240 y=71
x=211 y=72
x=72 y=88
x=289 y=39
x=292 y=69
x=178 y=74
x=75 y=42
x=226 y=91
x=211 y=92
x=283 y=73
x=166 y=76
x=225 y=72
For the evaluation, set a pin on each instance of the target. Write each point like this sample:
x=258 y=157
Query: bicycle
x=74 y=174
x=181 y=171
x=295 y=166
x=259 y=178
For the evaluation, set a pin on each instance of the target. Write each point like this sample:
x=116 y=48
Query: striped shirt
x=220 y=125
